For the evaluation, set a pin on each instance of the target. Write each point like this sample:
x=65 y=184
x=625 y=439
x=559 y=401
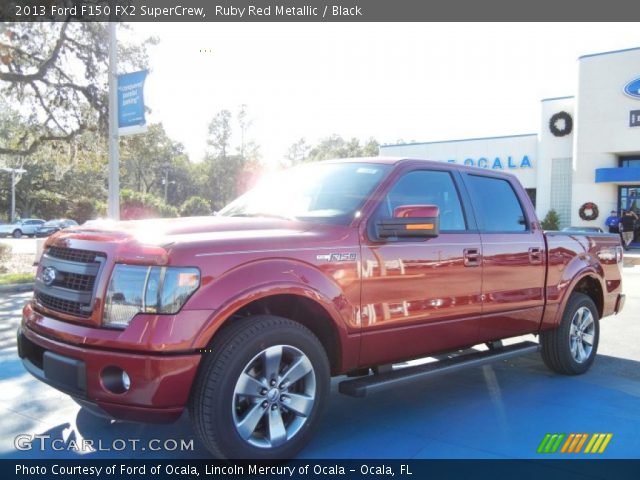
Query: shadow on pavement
x=497 y=411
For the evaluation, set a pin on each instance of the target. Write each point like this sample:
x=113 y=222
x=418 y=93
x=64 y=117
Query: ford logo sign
x=633 y=88
x=49 y=276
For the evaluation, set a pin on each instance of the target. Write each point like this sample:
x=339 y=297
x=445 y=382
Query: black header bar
x=317 y=10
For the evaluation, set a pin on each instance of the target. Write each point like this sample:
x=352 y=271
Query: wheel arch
x=299 y=305
x=587 y=283
x=591 y=286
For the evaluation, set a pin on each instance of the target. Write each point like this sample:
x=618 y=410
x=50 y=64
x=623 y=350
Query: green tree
x=195 y=206
x=330 y=147
x=551 y=221
x=298 y=152
x=147 y=160
x=220 y=134
x=225 y=175
x=57 y=73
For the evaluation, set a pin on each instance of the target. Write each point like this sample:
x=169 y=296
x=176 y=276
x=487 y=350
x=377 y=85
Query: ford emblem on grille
x=49 y=276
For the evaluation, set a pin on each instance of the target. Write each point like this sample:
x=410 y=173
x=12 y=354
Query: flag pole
x=113 y=201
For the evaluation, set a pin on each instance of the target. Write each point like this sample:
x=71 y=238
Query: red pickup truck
x=336 y=268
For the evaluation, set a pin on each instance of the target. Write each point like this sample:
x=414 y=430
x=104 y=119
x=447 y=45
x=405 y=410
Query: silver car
x=26 y=226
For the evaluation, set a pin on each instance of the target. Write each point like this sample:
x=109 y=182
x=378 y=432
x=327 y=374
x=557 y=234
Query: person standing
x=613 y=222
x=628 y=223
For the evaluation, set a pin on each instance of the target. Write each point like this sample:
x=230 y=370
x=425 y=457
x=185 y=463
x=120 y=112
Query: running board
x=360 y=387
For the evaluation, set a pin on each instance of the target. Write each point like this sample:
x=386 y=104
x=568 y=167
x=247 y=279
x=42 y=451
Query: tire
x=275 y=420
x=566 y=350
x=17 y=233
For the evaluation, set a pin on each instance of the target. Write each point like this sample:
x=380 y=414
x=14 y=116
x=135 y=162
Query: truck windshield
x=330 y=192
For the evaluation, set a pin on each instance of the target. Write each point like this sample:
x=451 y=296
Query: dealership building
x=584 y=161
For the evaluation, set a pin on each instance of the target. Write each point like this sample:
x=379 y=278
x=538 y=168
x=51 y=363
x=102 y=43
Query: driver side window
x=427 y=187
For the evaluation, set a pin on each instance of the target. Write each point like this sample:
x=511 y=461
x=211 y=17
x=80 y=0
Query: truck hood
x=205 y=234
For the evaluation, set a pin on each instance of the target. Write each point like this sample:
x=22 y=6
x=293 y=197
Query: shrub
x=5 y=254
x=85 y=209
x=136 y=205
x=194 y=206
x=551 y=221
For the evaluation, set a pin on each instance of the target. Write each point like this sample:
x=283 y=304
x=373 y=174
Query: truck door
x=420 y=295
x=514 y=262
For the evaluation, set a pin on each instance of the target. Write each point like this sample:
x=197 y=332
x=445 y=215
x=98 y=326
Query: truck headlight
x=139 y=289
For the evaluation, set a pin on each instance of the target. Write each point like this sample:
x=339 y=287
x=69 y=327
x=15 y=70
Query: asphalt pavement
x=502 y=410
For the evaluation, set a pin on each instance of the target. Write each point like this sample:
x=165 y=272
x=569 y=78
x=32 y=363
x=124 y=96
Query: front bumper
x=160 y=384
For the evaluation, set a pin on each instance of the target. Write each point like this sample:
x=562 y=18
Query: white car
x=17 y=229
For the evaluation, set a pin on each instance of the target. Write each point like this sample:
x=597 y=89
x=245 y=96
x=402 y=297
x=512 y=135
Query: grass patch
x=11 y=278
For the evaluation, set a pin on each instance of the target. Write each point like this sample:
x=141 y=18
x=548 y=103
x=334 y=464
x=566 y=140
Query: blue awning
x=618 y=175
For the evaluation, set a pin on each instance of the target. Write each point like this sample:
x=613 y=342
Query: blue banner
x=131 y=99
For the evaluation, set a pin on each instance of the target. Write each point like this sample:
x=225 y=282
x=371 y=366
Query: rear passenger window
x=496 y=205
x=424 y=187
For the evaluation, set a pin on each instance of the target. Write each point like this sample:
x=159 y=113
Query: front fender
x=253 y=281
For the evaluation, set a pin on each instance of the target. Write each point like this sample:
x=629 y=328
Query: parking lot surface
x=20 y=245
x=498 y=411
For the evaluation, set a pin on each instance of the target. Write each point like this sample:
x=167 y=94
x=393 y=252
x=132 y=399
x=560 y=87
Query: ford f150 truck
x=336 y=268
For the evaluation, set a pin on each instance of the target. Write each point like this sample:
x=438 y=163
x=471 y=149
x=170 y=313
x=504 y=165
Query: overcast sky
x=389 y=81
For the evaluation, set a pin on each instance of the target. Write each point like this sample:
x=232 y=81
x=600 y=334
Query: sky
x=390 y=81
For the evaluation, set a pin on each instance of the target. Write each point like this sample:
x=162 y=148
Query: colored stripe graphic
x=565 y=447
x=574 y=442
x=543 y=443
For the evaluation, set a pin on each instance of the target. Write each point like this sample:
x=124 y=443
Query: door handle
x=471 y=257
x=535 y=255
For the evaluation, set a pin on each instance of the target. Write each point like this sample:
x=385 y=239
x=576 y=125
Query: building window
x=532 y=195
x=561 y=176
x=631 y=161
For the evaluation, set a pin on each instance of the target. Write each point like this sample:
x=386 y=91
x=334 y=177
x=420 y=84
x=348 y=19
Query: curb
x=16 y=287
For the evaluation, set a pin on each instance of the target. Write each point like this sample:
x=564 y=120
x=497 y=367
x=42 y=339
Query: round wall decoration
x=561 y=124
x=588 y=211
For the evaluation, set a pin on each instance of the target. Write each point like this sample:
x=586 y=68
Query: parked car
x=53 y=226
x=333 y=268
x=17 y=229
x=583 y=229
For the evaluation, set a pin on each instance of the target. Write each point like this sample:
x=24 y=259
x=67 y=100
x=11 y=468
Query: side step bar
x=360 y=387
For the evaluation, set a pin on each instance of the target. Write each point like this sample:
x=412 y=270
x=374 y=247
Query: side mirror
x=411 y=221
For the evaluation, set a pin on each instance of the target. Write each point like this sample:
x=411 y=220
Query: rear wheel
x=571 y=348
x=261 y=390
x=17 y=233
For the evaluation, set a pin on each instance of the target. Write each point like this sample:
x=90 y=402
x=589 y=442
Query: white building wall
x=603 y=131
x=551 y=147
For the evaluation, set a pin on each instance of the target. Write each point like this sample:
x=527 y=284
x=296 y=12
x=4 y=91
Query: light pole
x=13 y=188
x=166 y=182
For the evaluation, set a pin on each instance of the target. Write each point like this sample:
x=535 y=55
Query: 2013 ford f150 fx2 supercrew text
x=340 y=267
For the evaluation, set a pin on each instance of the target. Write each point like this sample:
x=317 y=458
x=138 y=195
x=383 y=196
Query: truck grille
x=66 y=280
x=73 y=254
x=59 y=305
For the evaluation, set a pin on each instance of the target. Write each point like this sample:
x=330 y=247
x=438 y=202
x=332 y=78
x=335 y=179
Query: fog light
x=115 y=380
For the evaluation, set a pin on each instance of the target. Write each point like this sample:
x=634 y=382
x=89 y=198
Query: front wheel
x=262 y=389
x=17 y=233
x=571 y=348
